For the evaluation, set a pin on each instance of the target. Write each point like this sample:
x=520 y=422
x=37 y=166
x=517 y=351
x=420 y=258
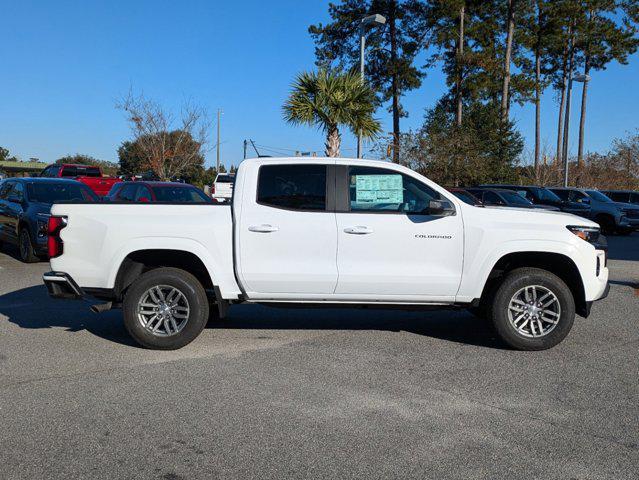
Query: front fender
x=479 y=266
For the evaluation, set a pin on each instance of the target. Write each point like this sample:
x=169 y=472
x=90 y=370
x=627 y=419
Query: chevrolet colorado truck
x=326 y=231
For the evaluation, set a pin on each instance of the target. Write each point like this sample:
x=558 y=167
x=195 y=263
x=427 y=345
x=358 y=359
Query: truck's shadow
x=31 y=308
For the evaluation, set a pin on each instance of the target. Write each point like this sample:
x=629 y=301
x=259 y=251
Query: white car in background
x=222 y=188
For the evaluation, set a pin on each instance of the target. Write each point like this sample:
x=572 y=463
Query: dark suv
x=612 y=217
x=544 y=196
x=502 y=197
x=622 y=196
x=25 y=207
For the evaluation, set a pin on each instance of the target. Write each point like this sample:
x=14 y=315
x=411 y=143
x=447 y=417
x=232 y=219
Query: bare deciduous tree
x=169 y=147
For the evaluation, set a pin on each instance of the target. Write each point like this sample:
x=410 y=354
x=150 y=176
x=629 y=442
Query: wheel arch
x=137 y=262
x=557 y=263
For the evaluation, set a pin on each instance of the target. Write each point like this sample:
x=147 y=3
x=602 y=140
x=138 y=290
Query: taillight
x=213 y=189
x=54 y=242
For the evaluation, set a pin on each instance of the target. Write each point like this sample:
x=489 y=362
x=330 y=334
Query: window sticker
x=379 y=189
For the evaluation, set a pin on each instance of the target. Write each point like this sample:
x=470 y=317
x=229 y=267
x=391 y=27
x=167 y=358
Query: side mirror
x=440 y=208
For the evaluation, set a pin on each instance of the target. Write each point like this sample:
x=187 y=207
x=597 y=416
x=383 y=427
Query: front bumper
x=61 y=285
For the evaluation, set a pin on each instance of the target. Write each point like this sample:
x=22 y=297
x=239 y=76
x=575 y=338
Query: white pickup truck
x=324 y=231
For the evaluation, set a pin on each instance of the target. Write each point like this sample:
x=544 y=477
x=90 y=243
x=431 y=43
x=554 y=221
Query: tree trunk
x=460 y=54
x=582 y=118
x=538 y=90
x=333 y=141
x=562 y=103
x=392 y=30
x=509 y=46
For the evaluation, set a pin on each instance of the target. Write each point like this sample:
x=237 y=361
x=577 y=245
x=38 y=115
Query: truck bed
x=99 y=235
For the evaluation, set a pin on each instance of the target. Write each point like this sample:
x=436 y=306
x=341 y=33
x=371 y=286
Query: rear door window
x=292 y=187
x=127 y=194
x=143 y=194
x=491 y=198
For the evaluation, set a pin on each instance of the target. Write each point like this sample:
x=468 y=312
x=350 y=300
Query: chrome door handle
x=358 y=230
x=264 y=228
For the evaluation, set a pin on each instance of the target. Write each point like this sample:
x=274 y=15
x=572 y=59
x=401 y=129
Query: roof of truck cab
x=323 y=160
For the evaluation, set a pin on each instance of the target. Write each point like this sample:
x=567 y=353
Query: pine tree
x=390 y=54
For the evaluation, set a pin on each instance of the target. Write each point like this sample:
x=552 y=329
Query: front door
x=287 y=237
x=390 y=245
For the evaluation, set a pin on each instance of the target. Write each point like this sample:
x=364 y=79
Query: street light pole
x=217 y=146
x=368 y=20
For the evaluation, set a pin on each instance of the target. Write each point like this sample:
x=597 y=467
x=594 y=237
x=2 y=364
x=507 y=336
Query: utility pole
x=245 y=145
x=217 y=146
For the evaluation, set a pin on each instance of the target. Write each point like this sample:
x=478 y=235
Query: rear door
x=390 y=247
x=286 y=234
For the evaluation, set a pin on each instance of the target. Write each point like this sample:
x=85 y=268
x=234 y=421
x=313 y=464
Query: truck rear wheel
x=165 y=309
x=533 y=309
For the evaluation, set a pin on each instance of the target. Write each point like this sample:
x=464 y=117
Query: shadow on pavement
x=32 y=308
x=451 y=325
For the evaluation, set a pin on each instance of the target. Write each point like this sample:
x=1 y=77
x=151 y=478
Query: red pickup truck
x=90 y=175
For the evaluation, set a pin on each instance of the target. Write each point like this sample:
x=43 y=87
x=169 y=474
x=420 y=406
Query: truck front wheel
x=165 y=309
x=533 y=309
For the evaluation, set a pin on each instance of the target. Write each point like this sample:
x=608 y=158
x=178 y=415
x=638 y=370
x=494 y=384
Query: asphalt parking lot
x=274 y=393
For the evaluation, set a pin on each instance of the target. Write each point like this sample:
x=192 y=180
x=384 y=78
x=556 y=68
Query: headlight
x=589 y=234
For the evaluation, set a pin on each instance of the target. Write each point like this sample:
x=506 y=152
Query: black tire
x=25 y=247
x=513 y=283
x=188 y=286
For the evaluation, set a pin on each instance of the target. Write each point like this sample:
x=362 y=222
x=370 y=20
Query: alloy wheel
x=163 y=310
x=534 y=311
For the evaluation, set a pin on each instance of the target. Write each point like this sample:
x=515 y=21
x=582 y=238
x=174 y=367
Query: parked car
x=403 y=241
x=501 y=197
x=25 y=205
x=622 y=196
x=609 y=215
x=544 y=196
x=222 y=188
x=145 y=192
x=90 y=175
x=465 y=196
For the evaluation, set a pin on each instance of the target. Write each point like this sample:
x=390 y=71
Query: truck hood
x=536 y=215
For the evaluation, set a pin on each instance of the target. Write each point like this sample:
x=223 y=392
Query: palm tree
x=329 y=100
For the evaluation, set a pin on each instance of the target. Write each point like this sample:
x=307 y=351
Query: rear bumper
x=61 y=285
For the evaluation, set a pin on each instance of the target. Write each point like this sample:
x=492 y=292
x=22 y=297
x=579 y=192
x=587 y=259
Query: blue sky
x=65 y=63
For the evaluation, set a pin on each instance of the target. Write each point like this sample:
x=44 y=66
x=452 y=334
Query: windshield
x=600 y=197
x=225 y=179
x=180 y=194
x=515 y=199
x=58 y=192
x=546 y=195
